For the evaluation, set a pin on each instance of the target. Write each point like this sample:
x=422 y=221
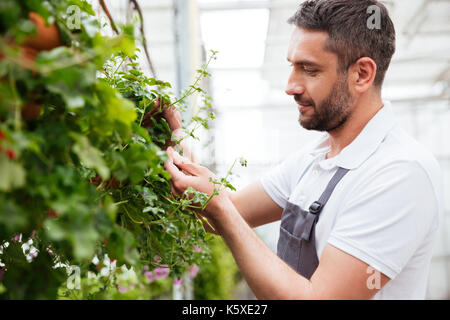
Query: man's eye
x=309 y=71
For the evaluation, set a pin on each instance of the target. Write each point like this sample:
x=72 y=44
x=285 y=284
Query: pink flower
x=177 y=281
x=161 y=273
x=121 y=289
x=156 y=258
x=194 y=271
x=149 y=276
x=197 y=249
x=146 y=268
x=16 y=238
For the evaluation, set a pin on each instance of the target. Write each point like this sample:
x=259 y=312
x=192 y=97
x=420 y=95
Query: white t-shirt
x=384 y=211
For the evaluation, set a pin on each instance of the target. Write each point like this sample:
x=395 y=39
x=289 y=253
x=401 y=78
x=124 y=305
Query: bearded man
x=358 y=207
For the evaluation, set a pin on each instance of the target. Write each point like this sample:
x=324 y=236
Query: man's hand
x=170 y=113
x=197 y=177
x=174 y=120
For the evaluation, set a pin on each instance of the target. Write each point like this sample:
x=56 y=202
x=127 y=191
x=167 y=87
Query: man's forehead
x=308 y=45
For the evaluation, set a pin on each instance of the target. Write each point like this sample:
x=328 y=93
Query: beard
x=332 y=113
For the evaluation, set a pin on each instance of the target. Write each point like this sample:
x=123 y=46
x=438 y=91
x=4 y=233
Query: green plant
x=80 y=176
x=218 y=277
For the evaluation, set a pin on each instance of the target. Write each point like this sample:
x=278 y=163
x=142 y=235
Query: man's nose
x=294 y=87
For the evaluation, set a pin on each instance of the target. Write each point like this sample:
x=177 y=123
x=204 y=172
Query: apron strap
x=317 y=206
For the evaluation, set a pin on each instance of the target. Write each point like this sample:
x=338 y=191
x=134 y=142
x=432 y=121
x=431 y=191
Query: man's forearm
x=267 y=275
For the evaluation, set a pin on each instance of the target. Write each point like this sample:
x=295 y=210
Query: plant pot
x=46 y=37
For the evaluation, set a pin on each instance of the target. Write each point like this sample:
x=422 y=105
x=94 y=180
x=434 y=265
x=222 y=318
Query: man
x=359 y=207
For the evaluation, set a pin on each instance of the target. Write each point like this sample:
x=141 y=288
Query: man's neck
x=364 y=110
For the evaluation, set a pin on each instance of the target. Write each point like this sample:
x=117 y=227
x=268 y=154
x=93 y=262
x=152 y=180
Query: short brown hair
x=345 y=21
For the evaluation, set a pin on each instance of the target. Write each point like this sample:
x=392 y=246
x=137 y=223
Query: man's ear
x=362 y=74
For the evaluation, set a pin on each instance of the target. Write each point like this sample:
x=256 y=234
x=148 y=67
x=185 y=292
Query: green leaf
x=127 y=45
x=110 y=208
x=117 y=108
x=72 y=99
x=83 y=5
x=90 y=156
x=12 y=174
x=122 y=246
x=85 y=242
x=153 y=210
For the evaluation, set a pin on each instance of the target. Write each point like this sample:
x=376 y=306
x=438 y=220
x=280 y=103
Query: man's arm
x=338 y=276
x=255 y=205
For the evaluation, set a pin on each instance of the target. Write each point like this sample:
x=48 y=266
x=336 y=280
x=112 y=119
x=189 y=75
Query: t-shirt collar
x=365 y=144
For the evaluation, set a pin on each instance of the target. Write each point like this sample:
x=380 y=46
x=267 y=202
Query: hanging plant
x=82 y=155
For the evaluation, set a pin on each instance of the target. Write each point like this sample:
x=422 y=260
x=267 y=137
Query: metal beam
x=254 y=4
x=156 y=5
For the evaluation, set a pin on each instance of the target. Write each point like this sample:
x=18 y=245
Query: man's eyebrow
x=304 y=63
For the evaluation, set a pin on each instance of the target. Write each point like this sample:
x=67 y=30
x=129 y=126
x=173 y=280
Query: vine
x=82 y=179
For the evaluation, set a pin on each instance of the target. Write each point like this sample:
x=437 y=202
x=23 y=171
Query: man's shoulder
x=399 y=146
x=401 y=155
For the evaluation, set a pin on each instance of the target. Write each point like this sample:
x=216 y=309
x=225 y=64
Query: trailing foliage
x=79 y=176
x=219 y=276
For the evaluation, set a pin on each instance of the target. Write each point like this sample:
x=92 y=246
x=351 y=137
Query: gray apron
x=297 y=242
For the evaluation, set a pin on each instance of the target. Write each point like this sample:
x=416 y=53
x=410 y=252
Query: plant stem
x=129 y=216
x=199 y=77
x=105 y=9
x=144 y=40
x=220 y=185
x=114 y=74
x=17 y=115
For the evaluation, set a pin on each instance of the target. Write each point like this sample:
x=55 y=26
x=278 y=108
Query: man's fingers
x=154 y=110
x=176 y=157
x=173 y=190
x=180 y=180
x=191 y=168
x=184 y=163
x=169 y=112
x=174 y=172
x=155 y=106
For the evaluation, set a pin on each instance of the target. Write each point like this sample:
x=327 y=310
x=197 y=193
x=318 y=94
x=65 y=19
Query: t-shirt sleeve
x=387 y=216
x=280 y=180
